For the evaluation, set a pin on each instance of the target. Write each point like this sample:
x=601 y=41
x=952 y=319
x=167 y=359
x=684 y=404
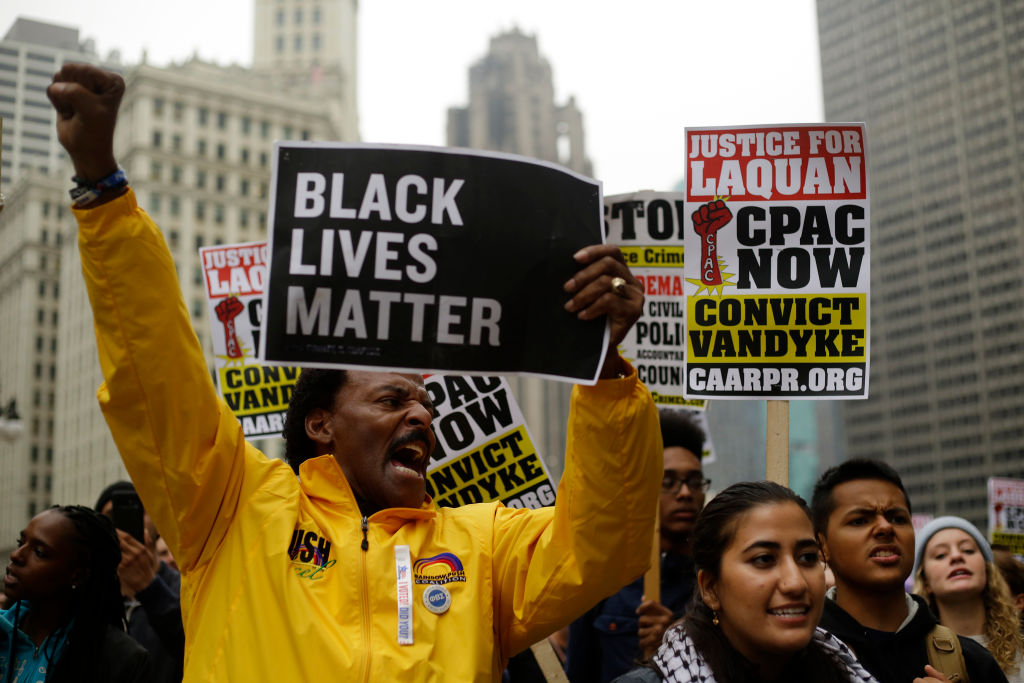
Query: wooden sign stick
x=777 y=448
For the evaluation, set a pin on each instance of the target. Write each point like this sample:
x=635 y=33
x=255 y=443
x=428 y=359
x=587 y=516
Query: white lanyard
x=403 y=572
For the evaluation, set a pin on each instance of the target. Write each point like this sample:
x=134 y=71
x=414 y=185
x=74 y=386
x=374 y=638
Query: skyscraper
x=309 y=48
x=512 y=109
x=34 y=180
x=30 y=52
x=196 y=141
x=941 y=87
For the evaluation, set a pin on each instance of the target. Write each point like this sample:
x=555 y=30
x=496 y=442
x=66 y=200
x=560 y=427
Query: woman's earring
x=714 y=617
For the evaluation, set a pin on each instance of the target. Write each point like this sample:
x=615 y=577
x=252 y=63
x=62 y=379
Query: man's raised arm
x=552 y=565
x=183 y=449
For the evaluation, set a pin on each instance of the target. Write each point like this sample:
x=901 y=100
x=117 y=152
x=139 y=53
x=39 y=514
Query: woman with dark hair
x=760 y=592
x=66 y=622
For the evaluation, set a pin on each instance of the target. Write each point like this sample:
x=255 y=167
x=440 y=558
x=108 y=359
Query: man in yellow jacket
x=347 y=572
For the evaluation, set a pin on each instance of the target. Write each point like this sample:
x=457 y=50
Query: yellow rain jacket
x=276 y=586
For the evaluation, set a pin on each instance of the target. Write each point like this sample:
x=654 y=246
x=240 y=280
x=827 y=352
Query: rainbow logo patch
x=439 y=569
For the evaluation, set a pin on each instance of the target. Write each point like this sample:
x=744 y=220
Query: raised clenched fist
x=86 y=99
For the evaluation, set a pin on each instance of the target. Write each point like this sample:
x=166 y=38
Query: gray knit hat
x=940 y=523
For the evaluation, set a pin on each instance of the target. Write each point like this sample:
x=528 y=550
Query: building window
x=243 y=187
x=316 y=15
x=246 y=124
x=297 y=43
x=279 y=17
x=156 y=170
x=201 y=179
x=218 y=214
x=222 y=120
x=158 y=106
x=201 y=146
x=175 y=206
x=245 y=155
x=204 y=115
x=298 y=15
x=221 y=182
x=179 y=111
x=175 y=175
x=264 y=129
x=222 y=151
x=176 y=143
x=279 y=44
x=200 y=215
x=158 y=139
x=316 y=42
x=263 y=159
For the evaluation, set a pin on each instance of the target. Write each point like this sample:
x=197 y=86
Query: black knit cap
x=108 y=493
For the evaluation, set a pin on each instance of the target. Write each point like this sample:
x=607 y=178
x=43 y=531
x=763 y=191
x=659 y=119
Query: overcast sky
x=639 y=75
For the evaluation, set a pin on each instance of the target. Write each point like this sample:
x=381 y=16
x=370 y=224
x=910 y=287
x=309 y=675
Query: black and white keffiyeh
x=679 y=661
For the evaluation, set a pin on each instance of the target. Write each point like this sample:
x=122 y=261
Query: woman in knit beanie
x=954 y=571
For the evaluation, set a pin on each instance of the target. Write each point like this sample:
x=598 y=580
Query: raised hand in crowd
x=87 y=100
x=139 y=563
x=604 y=286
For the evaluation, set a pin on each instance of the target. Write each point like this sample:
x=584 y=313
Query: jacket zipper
x=364 y=546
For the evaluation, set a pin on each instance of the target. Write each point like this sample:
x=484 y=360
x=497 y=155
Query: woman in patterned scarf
x=760 y=592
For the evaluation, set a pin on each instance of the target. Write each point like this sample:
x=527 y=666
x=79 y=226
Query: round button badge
x=437 y=599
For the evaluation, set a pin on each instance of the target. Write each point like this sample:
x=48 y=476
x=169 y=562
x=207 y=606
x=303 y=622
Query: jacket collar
x=321 y=479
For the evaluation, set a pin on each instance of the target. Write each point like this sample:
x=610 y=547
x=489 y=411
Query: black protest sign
x=427 y=259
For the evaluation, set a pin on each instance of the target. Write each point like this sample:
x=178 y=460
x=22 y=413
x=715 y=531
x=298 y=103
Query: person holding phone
x=151 y=588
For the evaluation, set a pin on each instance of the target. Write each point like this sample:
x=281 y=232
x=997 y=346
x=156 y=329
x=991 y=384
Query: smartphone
x=127 y=513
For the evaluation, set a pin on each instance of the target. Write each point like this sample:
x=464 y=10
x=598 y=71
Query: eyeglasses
x=672 y=484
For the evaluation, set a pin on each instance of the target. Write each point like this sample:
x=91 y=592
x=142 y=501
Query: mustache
x=419 y=434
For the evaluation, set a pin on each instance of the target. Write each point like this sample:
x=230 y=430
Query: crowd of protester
x=743 y=594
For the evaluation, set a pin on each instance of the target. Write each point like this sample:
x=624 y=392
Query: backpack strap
x=946 y=655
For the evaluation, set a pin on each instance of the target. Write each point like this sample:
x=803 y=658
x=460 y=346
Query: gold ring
x=619 y=286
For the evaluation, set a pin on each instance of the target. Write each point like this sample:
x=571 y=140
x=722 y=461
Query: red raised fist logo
x=227 y=311
x=707 y=221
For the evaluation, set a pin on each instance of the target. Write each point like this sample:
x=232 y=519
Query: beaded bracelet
x=86 y=191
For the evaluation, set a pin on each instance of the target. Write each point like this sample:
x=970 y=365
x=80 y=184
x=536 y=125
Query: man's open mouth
x=411 y=454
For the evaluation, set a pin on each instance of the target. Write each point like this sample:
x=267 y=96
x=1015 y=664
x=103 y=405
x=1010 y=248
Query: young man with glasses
x=611 y=638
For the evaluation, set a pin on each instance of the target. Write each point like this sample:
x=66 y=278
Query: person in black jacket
x=152 y=591
x=67 y=619
x=611 y=638
x=862 y=517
